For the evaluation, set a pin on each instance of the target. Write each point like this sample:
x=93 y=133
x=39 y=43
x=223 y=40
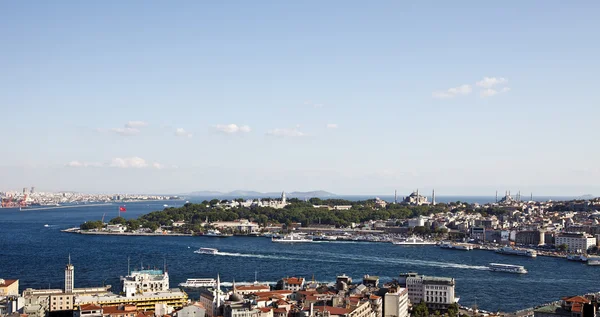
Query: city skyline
x=346 y=97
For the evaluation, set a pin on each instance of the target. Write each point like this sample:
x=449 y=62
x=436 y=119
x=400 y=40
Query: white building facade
x=396 y=302
x=576 y=242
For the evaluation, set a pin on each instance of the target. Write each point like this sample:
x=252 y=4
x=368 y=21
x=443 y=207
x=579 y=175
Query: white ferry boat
x=514 y=251
x=291 y=238
x=497 y=267
x=577 y=257
x=414 y=241
x=207 y=251
x=199 y=282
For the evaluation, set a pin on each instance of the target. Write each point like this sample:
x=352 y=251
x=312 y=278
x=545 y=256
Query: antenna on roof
x=128 y=267
x=255 y=275
x=165 y=268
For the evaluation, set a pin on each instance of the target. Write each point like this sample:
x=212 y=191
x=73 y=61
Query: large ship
x=414 y=241
x=508 y=268
x=292 y=238
x=199 y=282
x=514 y=251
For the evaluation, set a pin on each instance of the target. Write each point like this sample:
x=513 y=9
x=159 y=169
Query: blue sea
x=37 y=255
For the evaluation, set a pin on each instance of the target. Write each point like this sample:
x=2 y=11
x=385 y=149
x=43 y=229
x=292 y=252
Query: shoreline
x=145 y=234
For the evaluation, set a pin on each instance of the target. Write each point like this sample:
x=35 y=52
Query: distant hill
x=587 y=197
x=251 y=193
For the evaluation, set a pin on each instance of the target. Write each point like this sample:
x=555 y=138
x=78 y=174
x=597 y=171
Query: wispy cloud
x=130 y=128
x=181 y=132
x=126 y=162
x=332 y=126
x=489 y=82
x=286 y=132
x=461 y=90
x=125 y=131
x=83 y=164
x=136 y=124
x=490 y=92
x=314 y=104
x=232 y=128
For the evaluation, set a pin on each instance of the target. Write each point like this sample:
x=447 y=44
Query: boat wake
x=364 y=259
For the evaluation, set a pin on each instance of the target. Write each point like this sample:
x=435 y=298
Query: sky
x=352 y=97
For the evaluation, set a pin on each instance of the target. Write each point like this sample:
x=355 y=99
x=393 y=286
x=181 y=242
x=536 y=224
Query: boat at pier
x=216 y=233
x=414 y=241
x=577 y=257
x=514 y=251
x=207 y=251
x=593 y=261
x=456 y=246
x=508 y=268
x=291 y=238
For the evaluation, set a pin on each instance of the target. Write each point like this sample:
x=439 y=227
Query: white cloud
x=125 y=131
x=461 y=90
x=136 y=124
x=489 y=82
x=286 y=133
x=183 y=133
x=488 y=93
x=83 y=164
x=332 y=126
x=129 y=162
x=492 y=92
x=232 y=128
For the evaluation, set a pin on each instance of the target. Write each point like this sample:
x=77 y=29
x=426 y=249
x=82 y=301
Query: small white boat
x=508 y=268
x=207 y=251
x=456 y=246
x=165 y=205
x=291 y=238
x=46 y=225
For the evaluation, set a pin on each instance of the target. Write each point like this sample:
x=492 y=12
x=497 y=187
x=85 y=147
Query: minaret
x=69 y=277
x=283 y=199
x=496 y=196
x=418 y=198
x=433 y=197
x=395 y=196
x=218 y=293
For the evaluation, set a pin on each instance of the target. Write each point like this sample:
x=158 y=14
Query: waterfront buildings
x=436 y=292
x=293 y=283
x=576 y=242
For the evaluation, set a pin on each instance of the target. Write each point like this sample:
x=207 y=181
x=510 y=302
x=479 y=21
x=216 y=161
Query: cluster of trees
x=298 y=211
x=421 y=310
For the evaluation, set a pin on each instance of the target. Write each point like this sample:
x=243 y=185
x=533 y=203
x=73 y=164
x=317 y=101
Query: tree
x=88 y=225
x=453 y=310
x=420 y=310
x=213 y=202
x=118 y=221
x=563 y=247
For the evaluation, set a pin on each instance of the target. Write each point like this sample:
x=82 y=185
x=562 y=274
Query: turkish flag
x=122 y=209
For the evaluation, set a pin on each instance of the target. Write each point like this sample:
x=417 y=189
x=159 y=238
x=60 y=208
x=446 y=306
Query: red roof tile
x=294 y=280
x=90 y=307
x=7 y=283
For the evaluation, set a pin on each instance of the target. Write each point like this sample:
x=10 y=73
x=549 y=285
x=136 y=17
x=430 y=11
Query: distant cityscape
x=29 y=196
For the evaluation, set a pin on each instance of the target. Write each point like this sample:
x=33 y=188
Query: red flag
x=122 y=209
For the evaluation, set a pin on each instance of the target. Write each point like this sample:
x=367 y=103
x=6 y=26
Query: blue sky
x=346 y=96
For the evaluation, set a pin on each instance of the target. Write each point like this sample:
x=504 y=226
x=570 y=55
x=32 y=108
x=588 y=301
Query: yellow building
x=144 y=301
x=9 y=287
